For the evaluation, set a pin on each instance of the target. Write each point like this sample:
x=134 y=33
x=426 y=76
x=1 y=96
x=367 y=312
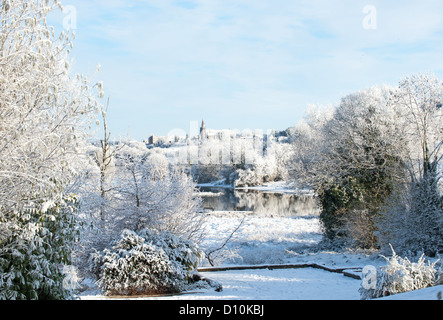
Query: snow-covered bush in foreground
x=400 y=275
x=185 y=252
x=147 y=263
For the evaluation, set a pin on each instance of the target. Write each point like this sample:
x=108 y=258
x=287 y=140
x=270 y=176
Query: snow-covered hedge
x=400 y=275
x=33 y=257
x=146 y=263
x=180 y=250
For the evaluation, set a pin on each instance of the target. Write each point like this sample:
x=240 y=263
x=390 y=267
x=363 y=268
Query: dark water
x=260 y=202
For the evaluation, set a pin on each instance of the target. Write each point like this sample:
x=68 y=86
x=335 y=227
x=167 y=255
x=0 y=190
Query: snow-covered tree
x=152 y=196
x=158 y=164
x=262 y=170
x=419 y=100
x=94 y=185
x=307 y=141
x=414 y=218
x=104 y=158
x=143 y=191
x=375 y=162
x=43 y=114
x=351 y=158
x=265 y=160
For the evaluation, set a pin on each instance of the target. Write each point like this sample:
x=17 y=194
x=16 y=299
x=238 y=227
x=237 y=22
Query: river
x=261 y=203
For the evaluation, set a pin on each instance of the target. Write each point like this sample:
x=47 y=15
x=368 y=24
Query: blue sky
x=245 y=64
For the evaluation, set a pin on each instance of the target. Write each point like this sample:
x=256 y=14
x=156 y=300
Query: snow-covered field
x=261 y=241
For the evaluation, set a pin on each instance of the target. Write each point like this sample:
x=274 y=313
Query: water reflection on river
x=260 y=202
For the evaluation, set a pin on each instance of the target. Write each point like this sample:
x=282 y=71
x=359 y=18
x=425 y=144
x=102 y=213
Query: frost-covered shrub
x=146 y=263
x=133 y=266
x=401 y=275
x=413 y=219
x=261 y=171
x=178 y=249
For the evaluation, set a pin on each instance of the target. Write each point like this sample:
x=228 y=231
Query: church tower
x=203 y=135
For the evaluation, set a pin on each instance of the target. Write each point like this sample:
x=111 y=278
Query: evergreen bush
x=32 y=259
x=146 y=263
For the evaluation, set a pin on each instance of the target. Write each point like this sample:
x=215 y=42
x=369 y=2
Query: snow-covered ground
x=287 y=284
x=261 y=241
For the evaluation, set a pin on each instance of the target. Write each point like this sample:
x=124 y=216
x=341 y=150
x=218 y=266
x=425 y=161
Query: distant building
x=152 y=140
x=203 y=134
x=162 y=141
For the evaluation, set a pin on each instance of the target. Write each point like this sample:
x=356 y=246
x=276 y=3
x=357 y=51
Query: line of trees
x=375 y=161
x=233 y=158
